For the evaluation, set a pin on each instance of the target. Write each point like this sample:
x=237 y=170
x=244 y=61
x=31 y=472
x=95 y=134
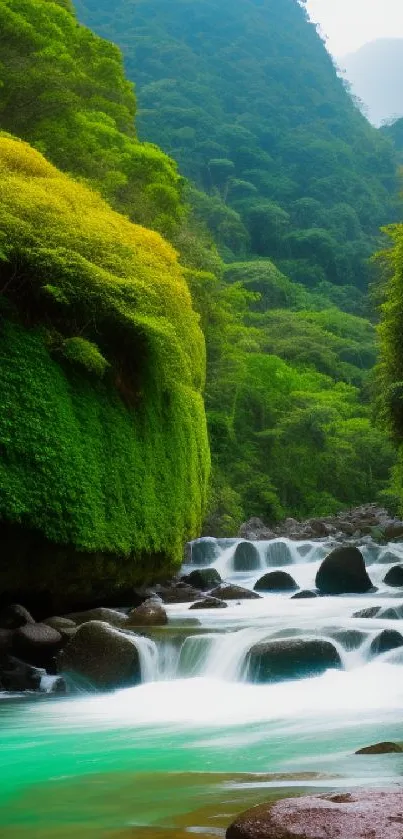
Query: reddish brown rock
x=365 y=814
x=150 y=613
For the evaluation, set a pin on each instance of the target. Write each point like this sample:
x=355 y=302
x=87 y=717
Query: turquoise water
x=182 y=753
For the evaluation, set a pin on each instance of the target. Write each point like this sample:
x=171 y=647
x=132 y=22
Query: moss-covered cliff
x=102 y=430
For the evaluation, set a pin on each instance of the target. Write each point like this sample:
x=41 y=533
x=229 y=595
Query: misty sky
x=351 y=23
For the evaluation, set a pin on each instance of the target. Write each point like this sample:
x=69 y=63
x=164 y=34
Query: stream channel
x=196 y=743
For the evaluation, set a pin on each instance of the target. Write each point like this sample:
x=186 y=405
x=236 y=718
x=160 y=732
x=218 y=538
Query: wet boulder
x=203 y=579
x=291 y=658
x=203 y=551
x=231 y=592
x=150 y=613
x=362 y=814
x=387 y=558
x=102 y=657
x=209 y=603
x=111 y=616
x=394 y=577
x=180 y=593
x=384 y=748
x=278 y=553
x=18 y=676
x=14 y=616
x=350 y=639
x=36 y=644
x=246 y=557
x=369 y=612
x=388 y=639
x=305 y=594
x=343 y=572
x=276 y=581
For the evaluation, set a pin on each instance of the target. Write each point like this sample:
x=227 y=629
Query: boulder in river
x=350 y=639
x=203 y=551
x=343 y=572
x=203 y=578
x=14 y=616
x=231 y=592
x=387 y=558
x=384 y=748
x=291 y=658
x=305 y=594
x=278 y=553
x=111 y=616
x=362 y=814
x=369 y=612
x=246 y=557
x=150 y=613
x=16 y=675
x=388 y=639
x=209 y=603
x=276 y=581
x=36 y=644
x=394 y=577
x=101 y=656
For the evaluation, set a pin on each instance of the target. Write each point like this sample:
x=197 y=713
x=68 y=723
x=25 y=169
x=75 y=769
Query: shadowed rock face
x=246 y=557
x=343 y=572
x=367 y=814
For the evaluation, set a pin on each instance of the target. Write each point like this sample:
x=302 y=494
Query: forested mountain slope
x=245 y=97
x=103 y=444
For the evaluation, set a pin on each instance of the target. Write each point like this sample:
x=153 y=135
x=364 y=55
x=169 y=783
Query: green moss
x=117 y=463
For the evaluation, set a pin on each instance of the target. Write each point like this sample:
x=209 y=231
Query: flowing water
x=196 y=742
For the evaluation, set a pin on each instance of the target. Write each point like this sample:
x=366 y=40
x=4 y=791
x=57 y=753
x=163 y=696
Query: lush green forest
x=102 y=431
x=286 y=187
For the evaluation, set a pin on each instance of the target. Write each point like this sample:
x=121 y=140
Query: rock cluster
x=368 y=519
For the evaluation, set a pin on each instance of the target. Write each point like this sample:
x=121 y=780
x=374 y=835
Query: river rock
x=16 y=675
x=384 y=748
x=369 y=612
x=231 y=592
x=14 y=616
x=387 y=558
x=111 y=616
x=276 y=581
x=65 y=626
x=291 y=658
x=278 y=553
x=6 y=640
x=305 y=594
x=150 y=613
x=179 y=593
x=209 y=603
x=246 y=557
x=393 y=530
x=204 y=578
x=104 y=657
x=203 y=551
x=363 y=814
x=388 y=639
x=349 y=638
x=394 y=577
x=343 y=572
x=255 y=530
x=36 y=644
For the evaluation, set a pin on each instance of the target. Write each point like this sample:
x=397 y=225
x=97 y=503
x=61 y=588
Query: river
x=196 y=742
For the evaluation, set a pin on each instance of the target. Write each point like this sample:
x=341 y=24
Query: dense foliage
x=102 y=428
x=247 y=100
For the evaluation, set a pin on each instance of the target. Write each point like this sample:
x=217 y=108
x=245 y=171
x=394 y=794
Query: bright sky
x=349 y=24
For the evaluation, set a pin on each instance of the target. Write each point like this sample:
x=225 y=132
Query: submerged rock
x=150 y=613
x=394 y=577
x=203 y=551
x=384 y=748
x=276 y=581
x=363 y=814
x=203 y=578
x=231 y=592
x=102 y=656
x=388 y=639
x=305 y=594
x=209 y=603
x=291 y=658
x=278 y=553
x=36 y=643
x=246 y=557
x=349 y=638
x=369 y=612
x=343 y=572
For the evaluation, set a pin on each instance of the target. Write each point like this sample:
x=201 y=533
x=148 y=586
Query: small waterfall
x=149 y=658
